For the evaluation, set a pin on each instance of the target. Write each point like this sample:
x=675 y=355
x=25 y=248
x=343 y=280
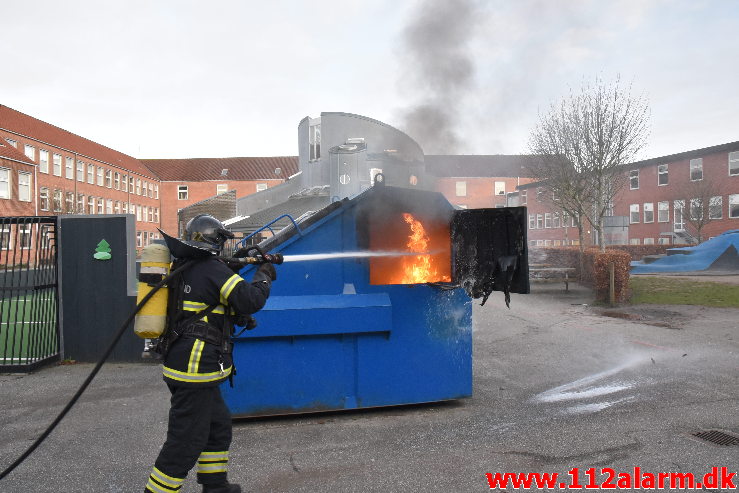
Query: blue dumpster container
x=329 y=339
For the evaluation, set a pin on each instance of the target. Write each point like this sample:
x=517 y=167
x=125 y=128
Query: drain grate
x=717 y=437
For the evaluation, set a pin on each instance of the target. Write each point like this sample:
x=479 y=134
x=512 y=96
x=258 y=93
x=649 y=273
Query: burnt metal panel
x=489 y=251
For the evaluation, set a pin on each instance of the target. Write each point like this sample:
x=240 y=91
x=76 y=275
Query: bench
x=543 y=273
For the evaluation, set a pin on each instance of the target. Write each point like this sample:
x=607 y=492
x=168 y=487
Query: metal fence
x=29 y=314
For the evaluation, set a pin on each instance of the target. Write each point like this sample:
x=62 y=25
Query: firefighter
x=199 y=359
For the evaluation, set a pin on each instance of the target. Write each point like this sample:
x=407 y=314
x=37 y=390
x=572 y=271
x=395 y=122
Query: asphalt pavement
x=559 y=384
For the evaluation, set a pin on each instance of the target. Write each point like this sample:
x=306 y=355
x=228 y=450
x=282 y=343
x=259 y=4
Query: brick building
x=659 y=196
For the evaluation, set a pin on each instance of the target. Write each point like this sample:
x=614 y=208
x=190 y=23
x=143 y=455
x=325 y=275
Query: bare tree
x=583 y=142
x=704 y=203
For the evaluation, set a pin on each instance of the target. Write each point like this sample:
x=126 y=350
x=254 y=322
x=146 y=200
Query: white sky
x=219 y=78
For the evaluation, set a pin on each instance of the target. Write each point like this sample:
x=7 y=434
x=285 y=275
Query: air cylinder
x=152 y=318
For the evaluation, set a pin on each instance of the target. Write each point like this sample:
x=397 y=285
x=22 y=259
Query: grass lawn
x=667 y=291
x=27 y=332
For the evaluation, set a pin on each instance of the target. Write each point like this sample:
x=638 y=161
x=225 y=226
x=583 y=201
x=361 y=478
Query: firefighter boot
x=221 y=488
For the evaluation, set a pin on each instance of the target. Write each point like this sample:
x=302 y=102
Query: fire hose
x=240 y=258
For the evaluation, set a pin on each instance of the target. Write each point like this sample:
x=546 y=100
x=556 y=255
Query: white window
x=532 y=221
x=24 y=186
x=547 y=220
x=649 y=212
x=101 y=176
x=734 y=206
x=634 y=213
x=57 y=162
x=261 y=187
x=663 y=212
x=151 y=190
x=101 y=206
x=124 y=183
x=145 y=213
x=117 y=180
x=499 y=188
x=663 y=240
x=5 y=238
x=555 y=220
x=540 y=221
x=109 y=178
x=182 y=192
x=91 y=204
x=57 y=201
x=663 y=177
x=634 y=179
x=80 y=171
x=4 y=183
x=109 y=206
x=314 y=139
x=461 y=189
x=138 y=239
x=523 y=197
x=80 y=203
x=696 y=169
x=24 y=236
x=634 y=241
x=12 y=142
x=43 y=161
x=138 y=212
x=69 y=203
x=156 y=215
x=649 y=241
x=117 y=207
x=31 y=154
x=678 y=208
x=43 y=196
x=696 y=209
x=716 y=208
x=91 y=174
x=156 y=191
x=69 y=167
x=124 y=207
x=734 y=163
x=138 y=186
x=221 y=188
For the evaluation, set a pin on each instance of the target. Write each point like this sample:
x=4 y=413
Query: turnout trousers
x=199 y=433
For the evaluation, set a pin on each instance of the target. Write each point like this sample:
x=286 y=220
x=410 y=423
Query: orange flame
x=419 y=268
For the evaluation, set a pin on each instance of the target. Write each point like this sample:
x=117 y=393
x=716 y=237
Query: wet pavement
x=558 y=384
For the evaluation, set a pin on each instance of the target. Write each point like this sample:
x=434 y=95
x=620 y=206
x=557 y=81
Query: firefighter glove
x=269 y=270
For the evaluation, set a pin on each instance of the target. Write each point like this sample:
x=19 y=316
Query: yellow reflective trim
x=182 y=376
x=195 y=306
x=228 y=286
x=195 y=354
x=164 y=478
x=212 y=468
x=214 y=455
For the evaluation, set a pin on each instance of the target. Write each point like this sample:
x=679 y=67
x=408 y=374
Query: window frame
x=648 y=212
x=665 y=209
x=29 y=187
x=734 y=201
x=663 y=170
x=44 y=199
x=632 y=177
x=634 y=209
x=43 y=161
x=733 y=159
x=5 y=177
x=183 y=192
x=697 y=164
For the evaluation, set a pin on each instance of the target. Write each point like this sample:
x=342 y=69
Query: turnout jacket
x=209 y=282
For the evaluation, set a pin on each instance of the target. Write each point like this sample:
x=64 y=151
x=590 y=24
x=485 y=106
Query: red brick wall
x=12 y=206
x=198 y=191
x=480 y=191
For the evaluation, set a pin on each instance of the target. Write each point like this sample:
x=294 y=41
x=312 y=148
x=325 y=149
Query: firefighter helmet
x=207 y=232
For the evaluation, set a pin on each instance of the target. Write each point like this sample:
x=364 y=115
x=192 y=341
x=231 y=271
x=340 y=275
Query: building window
x=24 y=186
x=314 y=139
x=649 y=241
x=634 y=213
x=539 y=221
x=109 y=206
x=664 y=240
x=151 y=190
x=734 y=163
x=57 y=164
x=124 y=183
x=499 y=188
x=91 y=204
x=5 y=238
x=696 y=209
x=539 y=192
x=4 y=183
x=662 y=175
x=69 y=167
x=547 y=220
x=145 y=214
x=138 y=239
x=101 y=177
x=91 y=174
x=261 y=187
x=12 y=142
x=523 y=197
x=138 y=186
x=555 y=220
x=532 y=221
x=117 y=180
x=80 y=171
x=24 y=238
x=108 y=178
x=57 y=201
x=678 y=208
x=649 y=212
x=80 y=203
x=634 y=241
x=138 y=212
x=734 y=206
x=117 y=207
x=69 y=203
x=634 y=179
x=182 y=192
x=101 y=206
x=461 y=189
x=663 y=212
x=716 y=208
x=31 y=154
x=124 y=207
x=156 y=215
x=43 y=161
x=221 y=188
x=43 y=198
x=156 y=191
x=696 y=169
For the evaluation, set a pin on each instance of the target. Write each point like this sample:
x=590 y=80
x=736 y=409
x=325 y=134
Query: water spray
x=278 y=258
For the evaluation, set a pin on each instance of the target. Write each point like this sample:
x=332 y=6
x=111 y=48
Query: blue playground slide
x=718 y=253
